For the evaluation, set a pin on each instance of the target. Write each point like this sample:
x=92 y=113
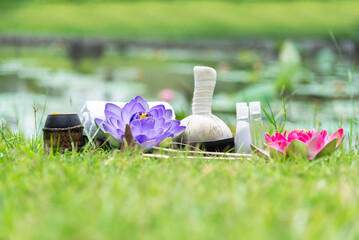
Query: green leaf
x=284 y=116
x=112 y=141
x=269 y=117
x=297 y=150
x=276 y=154
x=165 y=143
x=328 y=149
x=260 y=152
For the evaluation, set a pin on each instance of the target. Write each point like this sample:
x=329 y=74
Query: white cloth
x=95 y=109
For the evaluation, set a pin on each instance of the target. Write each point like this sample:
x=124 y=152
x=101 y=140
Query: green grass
x=187 y=20
x=106 y=195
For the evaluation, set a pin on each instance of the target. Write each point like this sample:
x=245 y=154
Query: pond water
x=319 y=90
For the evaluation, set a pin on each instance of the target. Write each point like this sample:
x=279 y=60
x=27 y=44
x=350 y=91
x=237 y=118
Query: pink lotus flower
x=166 y=94
x=309 y=144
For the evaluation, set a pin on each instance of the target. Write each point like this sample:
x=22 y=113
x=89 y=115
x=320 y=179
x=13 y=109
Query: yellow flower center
x=144 y=115
x=305 y=130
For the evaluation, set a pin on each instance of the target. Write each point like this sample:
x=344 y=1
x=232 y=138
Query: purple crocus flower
x=149 y=126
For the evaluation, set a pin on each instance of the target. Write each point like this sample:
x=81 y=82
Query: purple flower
x=149 y=126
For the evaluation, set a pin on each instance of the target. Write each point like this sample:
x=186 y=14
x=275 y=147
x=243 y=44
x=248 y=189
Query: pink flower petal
x=293 y=135
x=277 y=146
x=304 y=136
x=338 y=134
x=315 y=144
x=281 y=137
x=268 y=138
x=324 y=134
x=313 y=133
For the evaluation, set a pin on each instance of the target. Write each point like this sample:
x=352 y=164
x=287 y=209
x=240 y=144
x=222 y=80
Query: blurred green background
x=181 y=19
x=63 y=53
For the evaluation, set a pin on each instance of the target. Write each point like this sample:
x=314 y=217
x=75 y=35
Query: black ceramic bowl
x=62 y=120
x=223 y=145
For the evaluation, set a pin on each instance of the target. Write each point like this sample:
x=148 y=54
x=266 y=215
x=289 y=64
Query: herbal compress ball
x=202 y=125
